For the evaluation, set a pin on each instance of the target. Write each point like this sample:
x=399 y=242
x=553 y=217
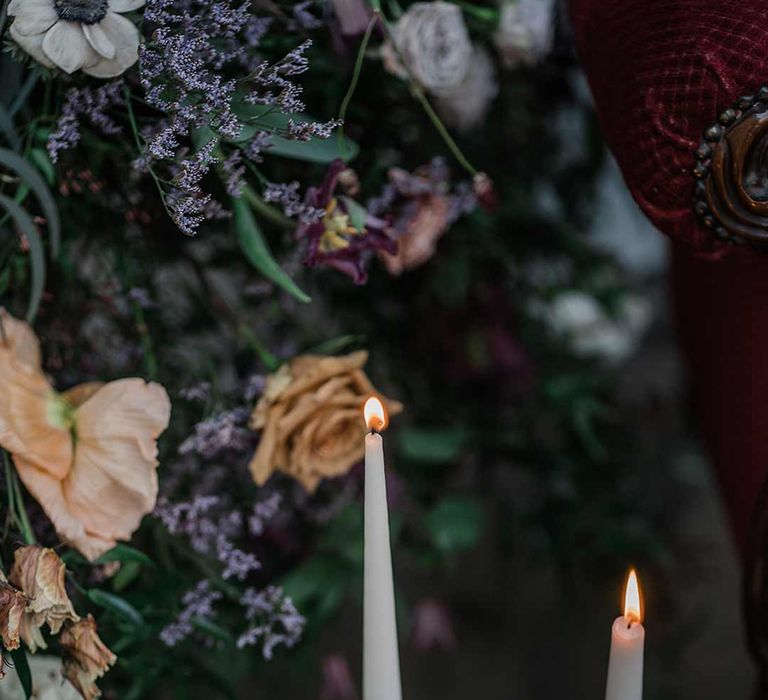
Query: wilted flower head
x=86 y=657
x=466 y=104
x=88 y=455
x=338 y=683
x=311 y=420
x=353 y=16
x=87 y=35
x=419 y=208
x=432 y=40
x=347 y=235
x=526 y=31
x=13 y=602
x=432 y=628
x=39 y=573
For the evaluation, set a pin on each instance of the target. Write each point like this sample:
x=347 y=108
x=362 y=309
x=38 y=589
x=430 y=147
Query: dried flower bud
x=86 y=657
x=39 y=573
x=12 y=605
x=486 y=193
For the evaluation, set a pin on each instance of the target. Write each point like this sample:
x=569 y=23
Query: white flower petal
x=37 y=21
x=22 y=7
x=99 y=40
x=125 y=5
x=65 y=44
x=33 y=45
x=125 y=37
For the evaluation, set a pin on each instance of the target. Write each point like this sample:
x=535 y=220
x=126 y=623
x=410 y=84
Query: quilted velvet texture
x=661 y=71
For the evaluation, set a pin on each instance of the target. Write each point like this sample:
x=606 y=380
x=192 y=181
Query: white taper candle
x=381 y=663
x=625 y=663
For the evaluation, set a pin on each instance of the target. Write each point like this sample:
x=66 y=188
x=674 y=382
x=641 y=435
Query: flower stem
x=421 y=97
x=358 y=69
x=22 y=520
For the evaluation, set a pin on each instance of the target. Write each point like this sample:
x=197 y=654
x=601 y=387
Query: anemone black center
x=83 y=11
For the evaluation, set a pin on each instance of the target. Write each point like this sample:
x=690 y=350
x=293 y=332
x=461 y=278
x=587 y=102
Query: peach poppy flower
x=89 y=455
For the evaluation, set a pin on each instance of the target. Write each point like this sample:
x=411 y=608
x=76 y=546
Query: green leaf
x=321 y=151
x=256 y=250
x=42 y=160
x=431 y=445
x=116 y=604
x=455 y=524
x=127 y=574
x=358 y=214
x=36 y=255
x=32 y=178
x=8 y=129
x=335 y=345
x=267 y=118
x=124 y=552
x=21 y=665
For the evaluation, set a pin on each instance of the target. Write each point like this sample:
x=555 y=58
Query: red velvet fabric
x=722 y=320
x=661 y=71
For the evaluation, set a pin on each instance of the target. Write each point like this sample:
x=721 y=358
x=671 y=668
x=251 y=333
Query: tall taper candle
x=381 y=664
x=625 y=664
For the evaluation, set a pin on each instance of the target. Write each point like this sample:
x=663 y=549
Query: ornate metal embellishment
x=731 y=193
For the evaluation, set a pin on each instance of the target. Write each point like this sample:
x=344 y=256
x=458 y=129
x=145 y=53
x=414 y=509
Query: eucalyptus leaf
x=432 y=444
x=257 y=251
x=116 y=604
x=124 y=552
x=36 y=255
x=455 y=524
x=32 y=178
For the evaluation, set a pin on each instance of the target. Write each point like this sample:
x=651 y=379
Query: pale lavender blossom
x=293 y=205
x=264 y=511
x=274 y=620
x=198 y=392
x=224 y=431
x=90 y=104
x=198 y=604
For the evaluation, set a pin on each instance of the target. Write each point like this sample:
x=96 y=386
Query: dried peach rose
x=311 y=420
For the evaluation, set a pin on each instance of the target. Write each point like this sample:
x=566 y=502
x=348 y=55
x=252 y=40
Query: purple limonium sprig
x=201 y=62
x=198 y=603
x=90 y=104
x=347 y=236
x=274 y=620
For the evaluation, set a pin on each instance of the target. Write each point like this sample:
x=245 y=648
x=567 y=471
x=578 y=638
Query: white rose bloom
x=466 y=105
x=432 y=40
x=87 y=35
x=526 y=31
x=590 y=331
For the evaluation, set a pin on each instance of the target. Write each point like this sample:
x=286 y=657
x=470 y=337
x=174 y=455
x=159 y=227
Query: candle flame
x=632 y=602
x=375 y=414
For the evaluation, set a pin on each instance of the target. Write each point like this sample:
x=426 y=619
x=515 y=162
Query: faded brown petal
x=86 y=657
x=12 y=605
x=20 y=339
x=112 y=482
x=39 y=573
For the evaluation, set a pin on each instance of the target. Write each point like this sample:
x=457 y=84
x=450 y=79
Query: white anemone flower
x=87 y=35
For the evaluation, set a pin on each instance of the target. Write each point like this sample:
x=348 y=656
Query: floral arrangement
x=212 y=211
